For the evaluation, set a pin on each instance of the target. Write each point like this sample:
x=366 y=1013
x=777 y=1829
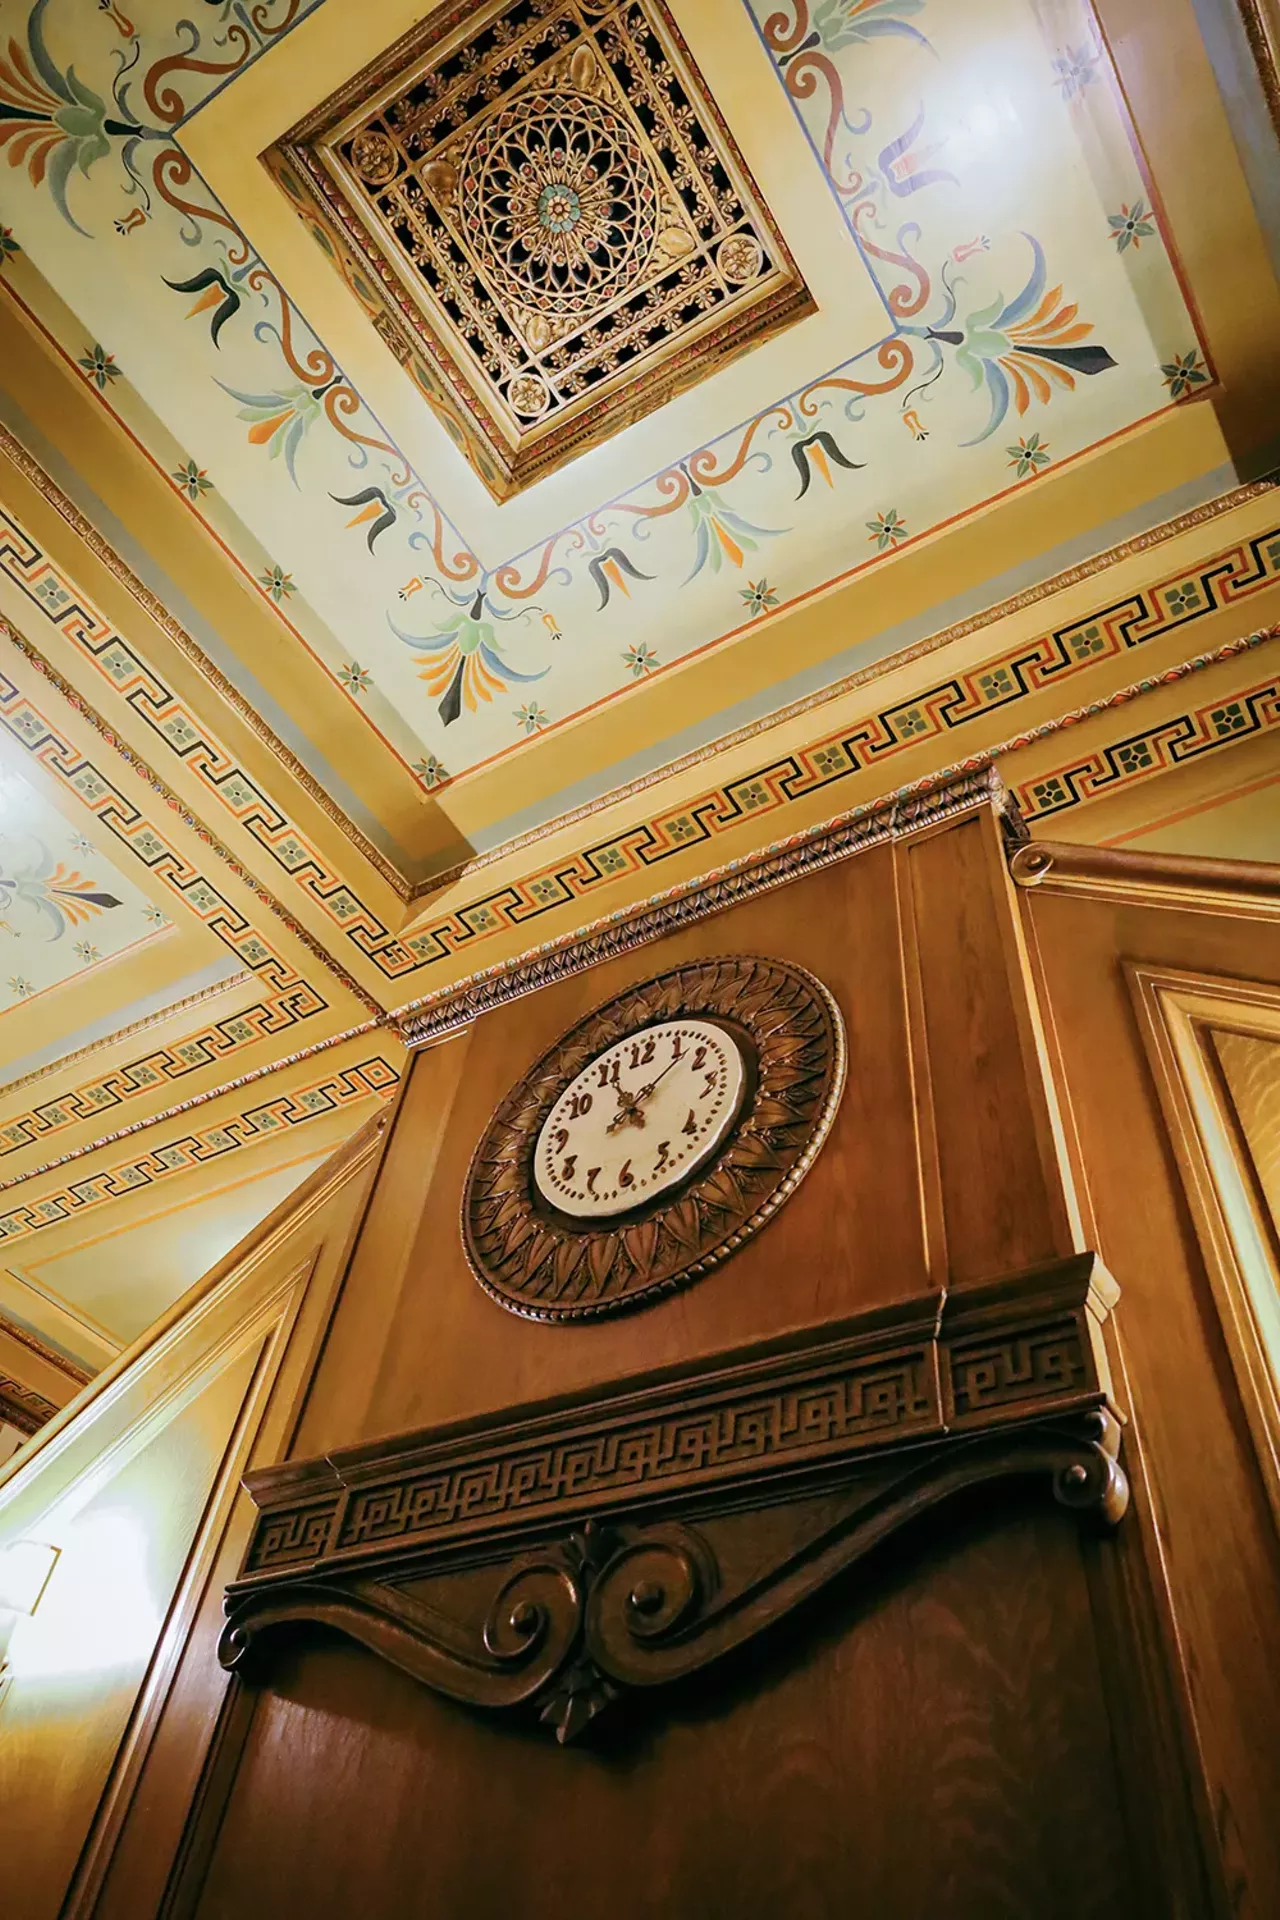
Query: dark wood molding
x=1179 y=880
x=22 y=1407
x=628 y=1539
x=913 y=809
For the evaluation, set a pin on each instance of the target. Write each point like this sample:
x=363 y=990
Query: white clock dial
x=640 y=1119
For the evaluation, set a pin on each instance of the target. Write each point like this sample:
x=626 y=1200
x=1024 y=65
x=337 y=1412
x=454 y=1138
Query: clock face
x=653 y=1138
x=640 y=1119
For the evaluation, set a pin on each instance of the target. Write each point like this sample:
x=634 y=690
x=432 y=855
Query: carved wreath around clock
x=654 y=1138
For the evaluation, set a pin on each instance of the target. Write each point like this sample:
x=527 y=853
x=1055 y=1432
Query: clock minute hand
x=644 y=1092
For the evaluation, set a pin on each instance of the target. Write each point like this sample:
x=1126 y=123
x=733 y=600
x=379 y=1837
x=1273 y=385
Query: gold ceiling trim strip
x=249 y=1079
x=436 y=1016
x=81 y=706
x=50 y=1355
x=1084 y=570
x=191 y=650
x=127 y=1032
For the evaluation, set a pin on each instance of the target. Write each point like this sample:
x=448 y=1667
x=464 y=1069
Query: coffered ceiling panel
x=992 y=289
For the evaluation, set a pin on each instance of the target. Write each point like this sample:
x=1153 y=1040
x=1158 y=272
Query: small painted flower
x=100 y=367
x=431 y=772
x=192 y=480
x=277 y=583
x=1131 y=226
x=887 y=529
x=154 y=915
x=86 y=953
x=8 y=245
x=1183 y=372
x=531 y=718
x=757 y=595
x=355 y=678
x=1029 y=455
x=19 y=987
x=1076 y=69
x=640 y=660
x=80 y=842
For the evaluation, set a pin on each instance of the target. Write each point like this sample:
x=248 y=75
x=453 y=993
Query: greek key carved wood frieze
x=547 y=218
x=617 y=1530
x=737 y=1062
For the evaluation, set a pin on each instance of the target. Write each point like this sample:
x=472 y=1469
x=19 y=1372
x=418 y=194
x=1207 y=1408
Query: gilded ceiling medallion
x=548 y=219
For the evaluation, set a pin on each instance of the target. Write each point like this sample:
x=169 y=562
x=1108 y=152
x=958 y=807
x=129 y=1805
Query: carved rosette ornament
x=654 y=1138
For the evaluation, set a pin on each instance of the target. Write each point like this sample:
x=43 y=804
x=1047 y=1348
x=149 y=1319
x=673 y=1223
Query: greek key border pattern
x=849 y=1399
x=373 y=1078
x=1152 y=750
x=22 y=1407
x=1224 y=580
x=177 y=729
x=292 y=998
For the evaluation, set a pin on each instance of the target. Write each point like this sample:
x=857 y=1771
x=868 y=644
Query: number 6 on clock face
x=640 y=1118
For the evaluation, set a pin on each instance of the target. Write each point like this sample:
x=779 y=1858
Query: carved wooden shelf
x=634 y=1536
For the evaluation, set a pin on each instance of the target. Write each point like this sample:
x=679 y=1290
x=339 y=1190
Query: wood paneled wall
x=942 y=1160
x=1001 y=1711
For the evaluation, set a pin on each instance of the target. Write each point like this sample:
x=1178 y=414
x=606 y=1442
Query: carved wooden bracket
x=627 y=1540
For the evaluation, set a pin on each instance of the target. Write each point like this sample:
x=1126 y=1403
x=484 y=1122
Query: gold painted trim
x=80 y=706
x=1262 y=30
x=187 y=1106
x=1177 y=1013
x=118 y=1034
x=1210 y=510
x=189 y=647
x=49 y=1355
x=434 y=1016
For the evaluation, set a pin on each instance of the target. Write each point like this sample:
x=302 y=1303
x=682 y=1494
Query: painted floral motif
x=8 y=246
x=720 y=533
x=100 y=366
x=1131 y=226
x=277 y=583
x=192 y=480
x=1029 y=455
x=758 y=597
x=431 y=772
x=40 y=896
x=1183 y=373
x=887 y=529
x=1076 y=68
x=872 y=83
x=462 y=659
x=531 y=718
x=1021 y=348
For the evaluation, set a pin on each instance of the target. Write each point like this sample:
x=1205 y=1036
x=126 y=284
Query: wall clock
x=654 y=1138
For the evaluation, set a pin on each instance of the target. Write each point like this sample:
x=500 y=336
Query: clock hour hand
x=628 y=1113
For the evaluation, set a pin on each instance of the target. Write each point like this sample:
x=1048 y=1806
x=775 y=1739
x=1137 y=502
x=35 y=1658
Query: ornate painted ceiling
x=466 y=474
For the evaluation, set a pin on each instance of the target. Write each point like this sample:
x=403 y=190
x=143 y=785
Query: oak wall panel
x=852 y=1237
x=931 y=1739
x=1212 y=1527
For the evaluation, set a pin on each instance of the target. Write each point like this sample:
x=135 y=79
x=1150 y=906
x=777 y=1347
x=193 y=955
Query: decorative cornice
x=1250 y=889
x=129 y=1031
x=912 y=806
x=911 y=809
x=606 y=1520
x=180 y=1107
x=849 y=683
x=49 y=490
x=23 y=1409
x=50 y=1355
x=261 y=893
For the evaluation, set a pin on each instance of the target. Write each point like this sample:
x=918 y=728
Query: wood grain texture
x=1214 y=1546
x=929 y=1741
x=852 y=1237
x=1003 y=1190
